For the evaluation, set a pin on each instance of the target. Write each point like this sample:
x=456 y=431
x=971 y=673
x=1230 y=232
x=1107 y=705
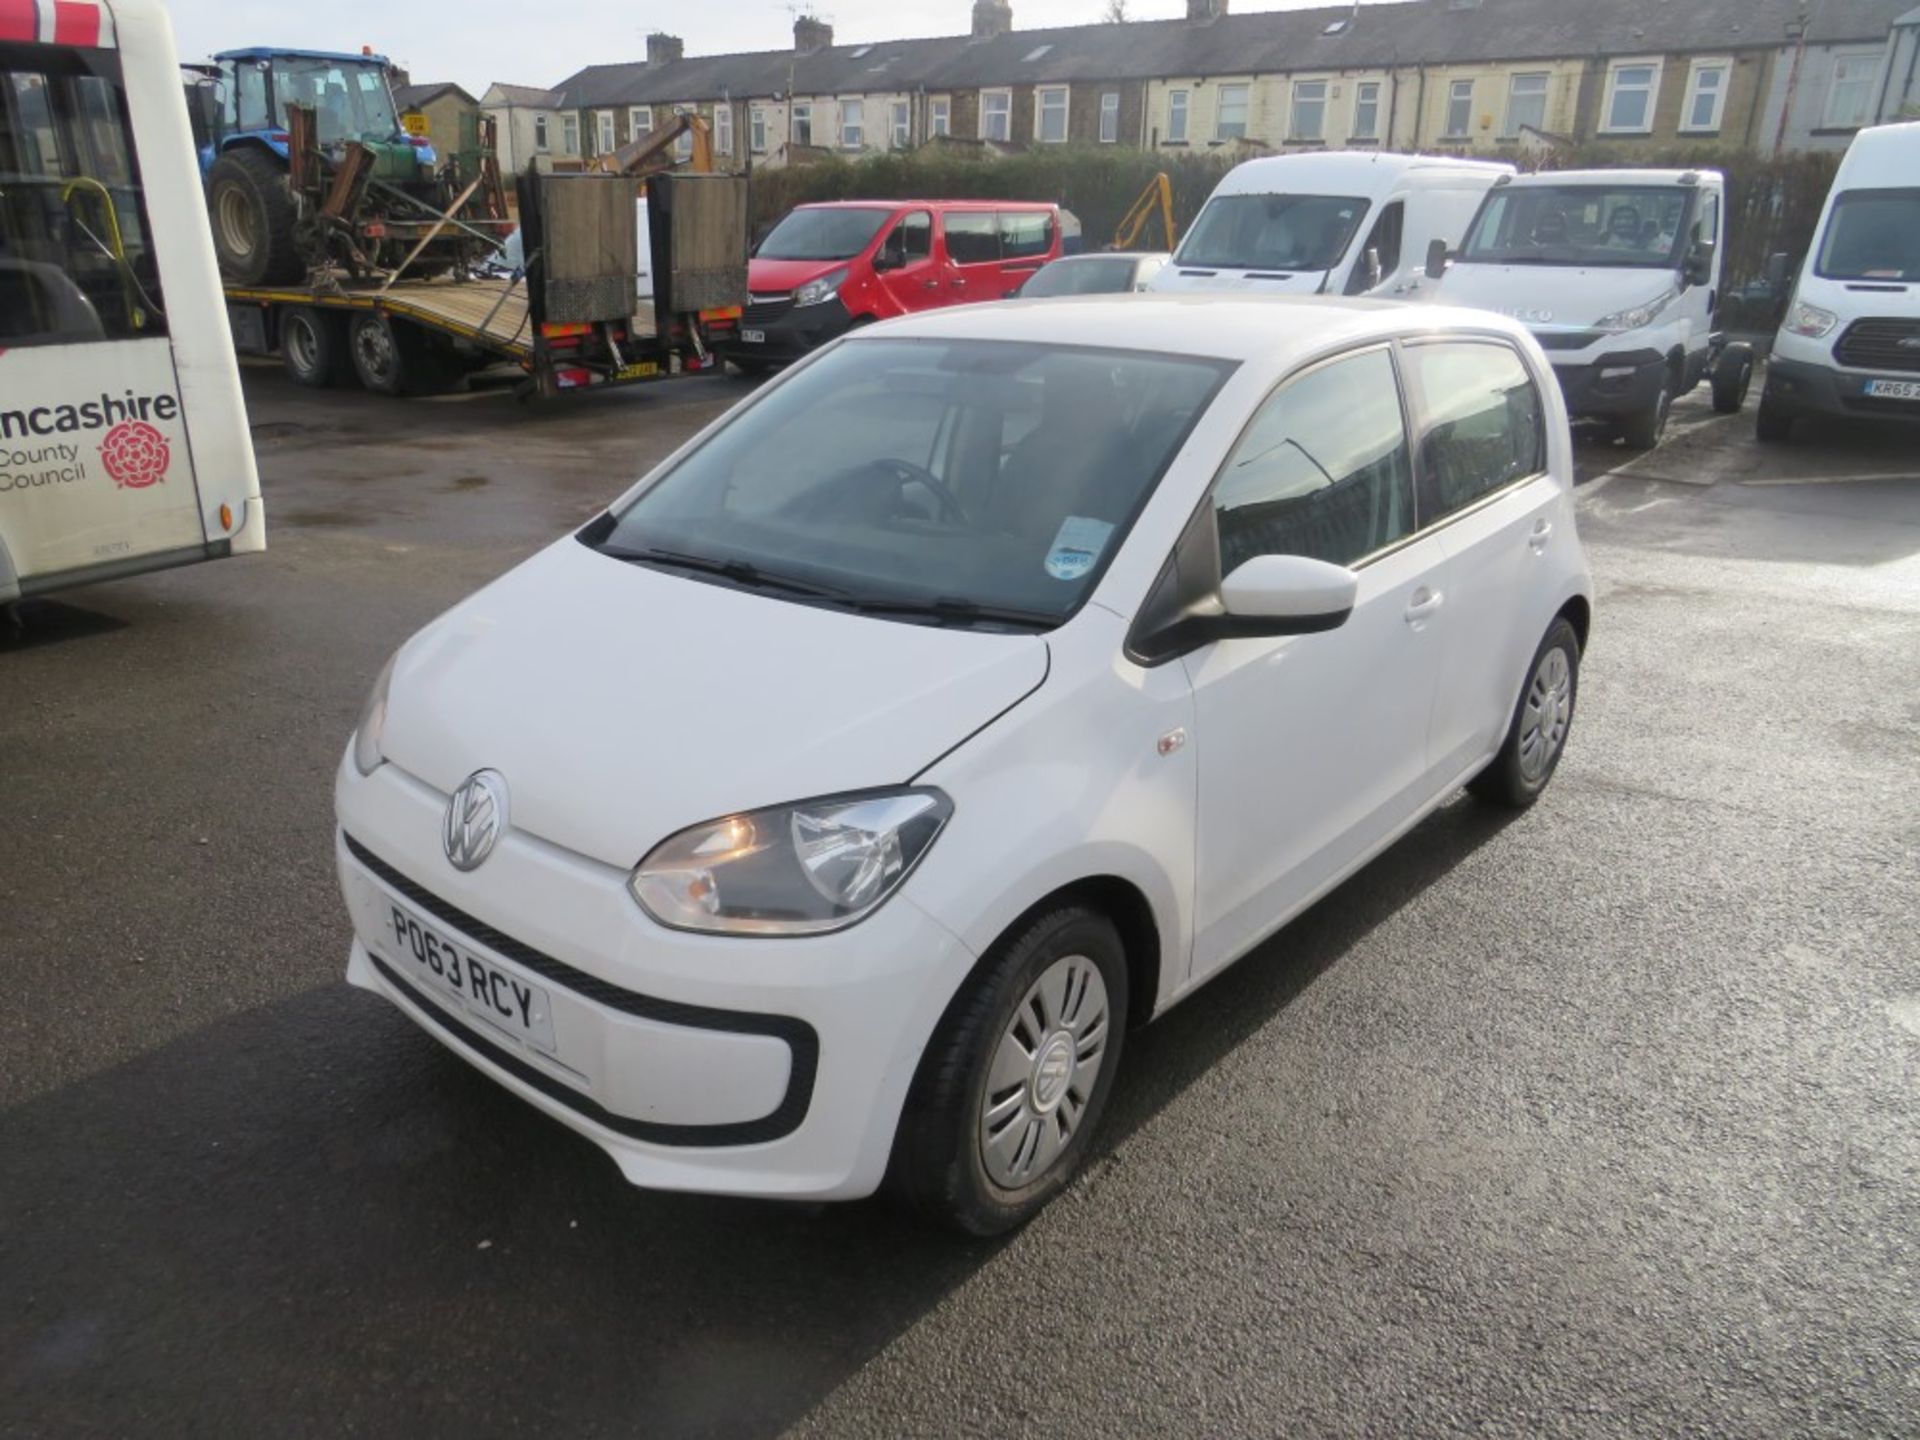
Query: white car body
x=1609 y=366
x=1850 y=345
x=1430 y=197
x=1211 y=796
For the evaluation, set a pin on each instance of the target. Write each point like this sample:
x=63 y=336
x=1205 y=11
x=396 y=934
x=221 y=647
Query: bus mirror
x=1436 y=259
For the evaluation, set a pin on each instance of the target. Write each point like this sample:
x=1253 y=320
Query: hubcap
x=301 y=343
x=1043 y=1072
x=375 y=346
x=1548 y=713
x=236 y=222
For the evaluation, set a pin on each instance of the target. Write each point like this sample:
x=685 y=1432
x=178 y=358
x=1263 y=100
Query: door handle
x=1424 y=605
x=929 y=284
x=1542 y=532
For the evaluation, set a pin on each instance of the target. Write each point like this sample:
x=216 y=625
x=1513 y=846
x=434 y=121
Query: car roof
x=1613 y=178
x=1881 y=157
x=1360 y=172
x=928 y=205
x=261 y=52
x=1275 y=331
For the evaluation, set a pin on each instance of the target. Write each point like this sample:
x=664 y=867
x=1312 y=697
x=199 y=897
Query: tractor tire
x=253 y=216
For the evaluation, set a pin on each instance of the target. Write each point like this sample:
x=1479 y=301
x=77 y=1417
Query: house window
x=603 y=132
x=1050 y=115
x=723 y=129
x=1850 y=92
x=902 y=124
x=940 y=115
x=540 y=133
x=1526 y=103
x=1309 y=120
x=640 y=121
x=683 y=142
x=1231 y=121
x=757 y=130
x=801 y=129
x=1110 y=117
x=1366 y=110
x=853 y=124
x=1706 y=96
x=570 y=134
x=1459 y=109
x=1632 y=86
x=996 y=115
x=1176 y=117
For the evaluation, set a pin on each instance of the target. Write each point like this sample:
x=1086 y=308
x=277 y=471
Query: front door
x=1312 y=748
x=907 y=271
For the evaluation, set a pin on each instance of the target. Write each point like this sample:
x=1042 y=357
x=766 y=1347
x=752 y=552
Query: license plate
x=639 y=370
x=754 y=337
x=1894 y=389
x=481 y=988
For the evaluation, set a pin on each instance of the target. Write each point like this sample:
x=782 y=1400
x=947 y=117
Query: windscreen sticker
x=1076 y=549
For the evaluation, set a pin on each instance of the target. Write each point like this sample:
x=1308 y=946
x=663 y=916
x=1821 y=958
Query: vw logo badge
x=475 y=817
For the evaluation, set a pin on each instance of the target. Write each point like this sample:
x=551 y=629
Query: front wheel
x=1015 y=1079
x=1732 y=378
x=1537 y=733
x=1643 y=431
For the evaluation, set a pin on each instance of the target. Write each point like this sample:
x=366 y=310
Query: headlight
x=1810 y=320
x=1638 y=316
x=373 y=722
x=792 y=870
x=818 y=292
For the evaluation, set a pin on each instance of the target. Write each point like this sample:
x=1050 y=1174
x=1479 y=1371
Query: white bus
x=123 y=436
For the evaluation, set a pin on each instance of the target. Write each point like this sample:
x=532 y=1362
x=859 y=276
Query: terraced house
x=1485 y=76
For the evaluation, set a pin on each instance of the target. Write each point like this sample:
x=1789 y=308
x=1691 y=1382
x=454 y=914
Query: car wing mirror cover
x=1293 y=593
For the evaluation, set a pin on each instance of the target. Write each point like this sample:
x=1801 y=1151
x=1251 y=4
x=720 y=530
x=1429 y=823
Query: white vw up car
x=828 y=810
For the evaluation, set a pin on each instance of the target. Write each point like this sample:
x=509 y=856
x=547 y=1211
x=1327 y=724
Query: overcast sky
x=476 y=42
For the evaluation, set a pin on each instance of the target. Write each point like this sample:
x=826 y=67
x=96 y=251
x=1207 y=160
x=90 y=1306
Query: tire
x=313 y=347
x=1732 y=378
x=395 y=357
x=1772 y=424
x=944 y=1163
x=1643 y=431
x=253 y=213
x=1520 y=772
x=752 y=369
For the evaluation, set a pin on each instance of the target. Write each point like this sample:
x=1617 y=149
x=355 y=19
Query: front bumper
x=1801 y=387
x=1612 y=387
x=729 y=1066
x=792 y=332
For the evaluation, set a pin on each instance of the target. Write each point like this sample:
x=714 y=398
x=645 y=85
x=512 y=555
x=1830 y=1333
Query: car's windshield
x=822 y=234
x=1872 y=235
x=350 y=102
x=966 y=473
x=1273 y=232
x=1610 y=225
x=1092 y=276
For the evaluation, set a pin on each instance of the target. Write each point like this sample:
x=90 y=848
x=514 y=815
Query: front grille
x=765 y=309
x=1567 y=339
x=1880 y=345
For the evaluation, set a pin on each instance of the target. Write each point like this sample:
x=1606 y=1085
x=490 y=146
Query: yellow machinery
x=1158 y=196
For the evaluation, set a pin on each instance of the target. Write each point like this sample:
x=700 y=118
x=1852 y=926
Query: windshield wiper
x=741 y=572
x=950 y=611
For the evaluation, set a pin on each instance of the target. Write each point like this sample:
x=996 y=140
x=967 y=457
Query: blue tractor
x=308 y=168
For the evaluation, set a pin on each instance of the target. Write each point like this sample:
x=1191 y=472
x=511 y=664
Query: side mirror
x=884 y=260
x=1371 y=264
x=1287 y=595
x=1437 y=257
x=1698 y=267
x=1778 y=265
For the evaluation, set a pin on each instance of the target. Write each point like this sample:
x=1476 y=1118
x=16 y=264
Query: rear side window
x=1321 y=471
x=76 y=254
x=1025 y=234
x=1481 y=422
x=973 y=239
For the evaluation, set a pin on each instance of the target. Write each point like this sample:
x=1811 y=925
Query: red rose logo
x=136 y=455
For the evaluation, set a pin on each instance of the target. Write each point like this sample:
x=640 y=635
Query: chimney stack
x=991 y=18
x=663 y=49
x=1201 y=11
x=810 y=35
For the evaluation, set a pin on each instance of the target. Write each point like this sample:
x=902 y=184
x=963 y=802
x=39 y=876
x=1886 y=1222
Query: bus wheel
x=313 y=347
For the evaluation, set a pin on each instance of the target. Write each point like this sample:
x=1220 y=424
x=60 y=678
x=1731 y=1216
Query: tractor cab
x=349 y=96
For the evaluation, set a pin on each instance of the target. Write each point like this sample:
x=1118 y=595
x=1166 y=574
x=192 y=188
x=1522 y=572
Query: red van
x=826 y=268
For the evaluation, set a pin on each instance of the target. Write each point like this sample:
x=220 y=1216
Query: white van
x=1851 y=341
x=1342 y=223
x=1618 y=275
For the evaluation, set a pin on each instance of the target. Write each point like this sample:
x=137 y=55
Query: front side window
x=1613 y=225
x=1630 y=96
x=1459 y=109
x=1383 y=244
x=1482 y=425
x=940 y=115
x=1231 y=121
x=1309 y=110
x=1322 y=469
x=1273 y=232
x=1706 y=96
x=996 y=115
x=1050 y=118
x=1872 y=235
x=1366 y=110
x=973 y=239
x=1176 y=117
x=853 y=123
x=1850 y=92
x=1526 y=103
x=1110 y=117
x=76 y=251
x=1025 y=234
x=902 y=125
x=802 y=125
x=944 y=475
x=827 y=233
x=911 y=240
x=350 y=102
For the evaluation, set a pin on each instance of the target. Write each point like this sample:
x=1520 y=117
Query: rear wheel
x=253 y=216
x=313 y=346
x=1537 y=733
x=394 y=357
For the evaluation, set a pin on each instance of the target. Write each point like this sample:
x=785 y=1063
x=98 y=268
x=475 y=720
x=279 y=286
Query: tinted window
x=973 y=239
x=996 y=474
x=1481 y=423
x=915 y=237
x=1273 y=232
x=1025 y=234
x=1093 y=276
x=822 y=235
x=1321 y=471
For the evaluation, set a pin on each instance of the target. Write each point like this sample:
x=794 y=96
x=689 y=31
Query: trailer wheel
x=395 y=357
x=313 y=346
x=253 y=216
